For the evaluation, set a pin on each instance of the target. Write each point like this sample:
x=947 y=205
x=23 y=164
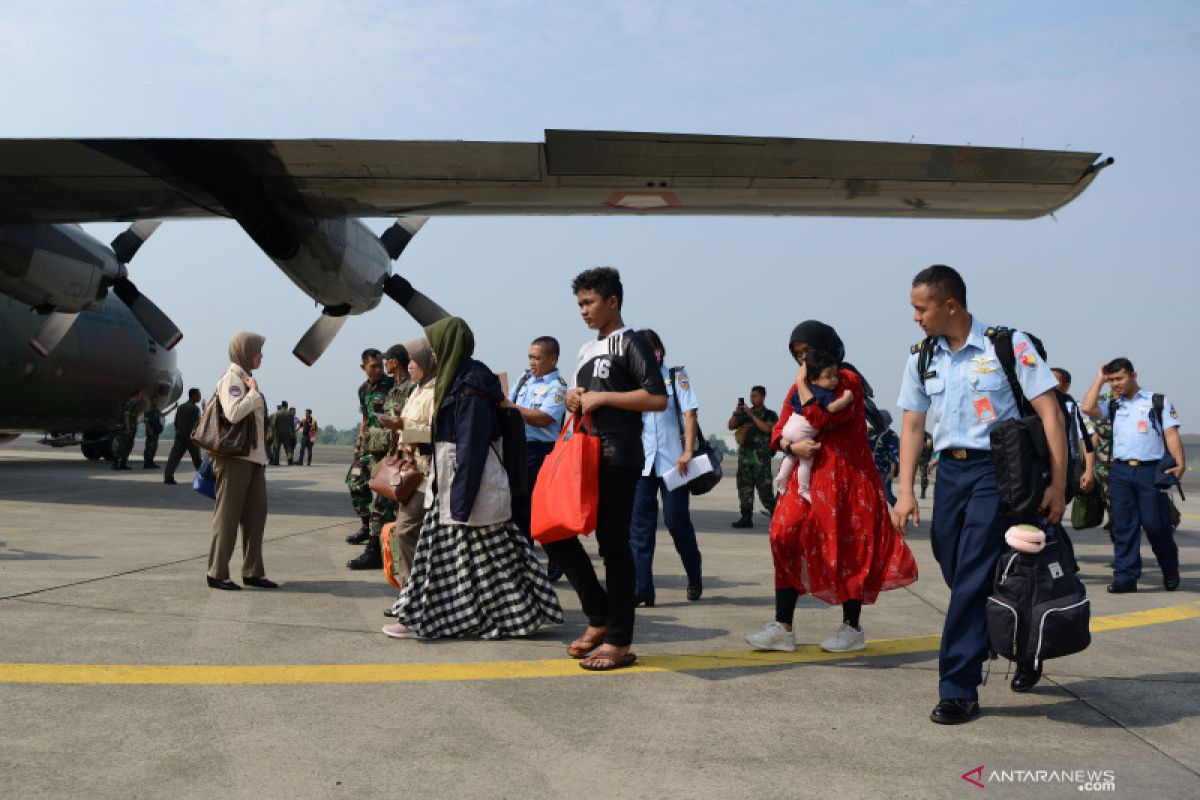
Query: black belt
x=964 y=454
x=1133 y=462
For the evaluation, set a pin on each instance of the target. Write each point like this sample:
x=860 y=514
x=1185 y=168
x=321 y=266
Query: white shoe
x=773 y=637
x=845 y=640
x=400 y=631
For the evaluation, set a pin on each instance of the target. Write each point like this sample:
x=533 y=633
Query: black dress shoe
x=170 y=482
x=1171 y=582
x=1122 y=588
x=261 y=583
x=954 y=712
x=228 y=586
x=694 y=590
x=1025 y=678
x=645 y=602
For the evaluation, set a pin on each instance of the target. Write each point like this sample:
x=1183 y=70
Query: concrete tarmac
x=107 y=568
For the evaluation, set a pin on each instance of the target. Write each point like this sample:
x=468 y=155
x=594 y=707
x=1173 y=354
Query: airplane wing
x=571 y=172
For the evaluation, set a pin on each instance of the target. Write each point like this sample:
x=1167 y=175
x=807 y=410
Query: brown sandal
x=585 y=644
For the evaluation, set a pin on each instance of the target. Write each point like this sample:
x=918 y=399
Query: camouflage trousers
x=374 y=510
x=122 y=443
x=151 y=447
x=923 y=471
x=754 y=472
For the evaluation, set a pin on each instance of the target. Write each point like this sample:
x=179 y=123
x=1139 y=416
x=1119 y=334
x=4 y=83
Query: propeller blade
x=156 y=323
x=397 y=237
x=129 y=240
x=313 y=343
x=52 y=332
x=419 y=307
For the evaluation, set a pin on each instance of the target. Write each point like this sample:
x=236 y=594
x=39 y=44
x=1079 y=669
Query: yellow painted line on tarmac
x=293 y=674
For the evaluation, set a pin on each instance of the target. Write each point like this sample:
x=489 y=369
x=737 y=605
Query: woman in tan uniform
x=241 y=481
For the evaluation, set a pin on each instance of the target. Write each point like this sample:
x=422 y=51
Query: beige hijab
x=243 y=347
x=420 y=352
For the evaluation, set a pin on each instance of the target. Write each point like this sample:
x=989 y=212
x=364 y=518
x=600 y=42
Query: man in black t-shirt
x=616 y=379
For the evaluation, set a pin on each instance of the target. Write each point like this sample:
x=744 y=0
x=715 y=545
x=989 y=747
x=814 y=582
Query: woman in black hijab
x=842 y=546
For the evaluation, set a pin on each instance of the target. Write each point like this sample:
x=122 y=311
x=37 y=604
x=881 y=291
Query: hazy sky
x=1114 y=275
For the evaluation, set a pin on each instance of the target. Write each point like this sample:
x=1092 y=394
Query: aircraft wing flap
x=679 y=155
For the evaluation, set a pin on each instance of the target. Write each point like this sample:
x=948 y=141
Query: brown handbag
x=219 y=436
x=396 y=478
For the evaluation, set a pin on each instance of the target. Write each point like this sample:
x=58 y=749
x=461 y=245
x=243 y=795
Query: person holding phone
x=753 y=425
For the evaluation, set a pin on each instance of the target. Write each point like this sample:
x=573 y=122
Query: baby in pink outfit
x=798 y=429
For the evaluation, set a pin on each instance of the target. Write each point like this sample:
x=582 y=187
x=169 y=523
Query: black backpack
x=1038 y=608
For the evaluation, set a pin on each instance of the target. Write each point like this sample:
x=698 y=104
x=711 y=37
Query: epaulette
x=916 y=348
x=562 y=380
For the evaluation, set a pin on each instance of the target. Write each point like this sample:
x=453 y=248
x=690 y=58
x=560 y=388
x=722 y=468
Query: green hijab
x=452 y=343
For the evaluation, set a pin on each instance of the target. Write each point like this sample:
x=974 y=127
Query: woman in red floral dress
x=842 y=547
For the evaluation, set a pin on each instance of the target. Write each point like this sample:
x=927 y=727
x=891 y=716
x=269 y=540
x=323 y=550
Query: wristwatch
x=785 y=446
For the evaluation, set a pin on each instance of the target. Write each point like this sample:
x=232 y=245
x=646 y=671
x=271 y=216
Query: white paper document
x=699 y=465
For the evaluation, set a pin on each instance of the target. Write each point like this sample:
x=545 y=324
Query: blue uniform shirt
x=1134 y=436
x=547 y=394
x=968 y=391
x=661 y=438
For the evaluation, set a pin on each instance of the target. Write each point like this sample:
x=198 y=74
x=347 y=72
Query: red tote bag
x=567 y=493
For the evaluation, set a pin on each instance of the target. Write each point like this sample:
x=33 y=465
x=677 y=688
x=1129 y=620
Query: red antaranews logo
x=978 y=779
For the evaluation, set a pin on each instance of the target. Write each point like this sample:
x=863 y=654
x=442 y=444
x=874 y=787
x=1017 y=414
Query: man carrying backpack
x=1145 y=431
x=959 y=374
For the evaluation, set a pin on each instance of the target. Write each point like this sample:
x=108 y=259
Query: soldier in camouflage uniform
x=753 y=425
x=923 y=462
x=382 y=509
x=280 y=426
x=127 y=422
x=1103 y=442
x=153 y=420
x=372 y=445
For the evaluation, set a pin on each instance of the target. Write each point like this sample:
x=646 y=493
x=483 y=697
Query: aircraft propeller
x=151 y=317
x=423 y=310
x=157 y=324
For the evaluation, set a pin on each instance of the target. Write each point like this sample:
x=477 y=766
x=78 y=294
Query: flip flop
x=627 y=660
x=578 y=650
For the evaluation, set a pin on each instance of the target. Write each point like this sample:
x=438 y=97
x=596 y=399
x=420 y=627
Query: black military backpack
x=1020 y=452
x=1038 y=608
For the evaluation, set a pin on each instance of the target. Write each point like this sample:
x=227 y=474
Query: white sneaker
x=773 y=637
x=845 y=640
x=400 y=631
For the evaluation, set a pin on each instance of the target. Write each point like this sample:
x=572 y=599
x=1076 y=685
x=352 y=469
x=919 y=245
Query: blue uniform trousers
x=645 y=523
x=1137 y=504
x=967 y=537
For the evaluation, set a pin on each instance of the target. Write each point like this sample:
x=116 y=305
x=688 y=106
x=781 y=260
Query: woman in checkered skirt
x=474 y=572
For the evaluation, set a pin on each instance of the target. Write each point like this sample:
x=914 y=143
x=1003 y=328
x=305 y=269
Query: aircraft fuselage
x=80 y=386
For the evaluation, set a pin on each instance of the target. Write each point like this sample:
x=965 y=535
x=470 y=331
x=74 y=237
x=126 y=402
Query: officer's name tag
x=926 y=375
x=984 y=410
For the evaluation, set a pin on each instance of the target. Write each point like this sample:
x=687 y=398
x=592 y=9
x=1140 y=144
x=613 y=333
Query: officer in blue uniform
x=967 y=390
x=668 y=440
x=1141 y=437
x=540 y=397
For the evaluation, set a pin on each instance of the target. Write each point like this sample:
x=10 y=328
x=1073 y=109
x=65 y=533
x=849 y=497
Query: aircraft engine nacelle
x=55 y=267
x=339 y=263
